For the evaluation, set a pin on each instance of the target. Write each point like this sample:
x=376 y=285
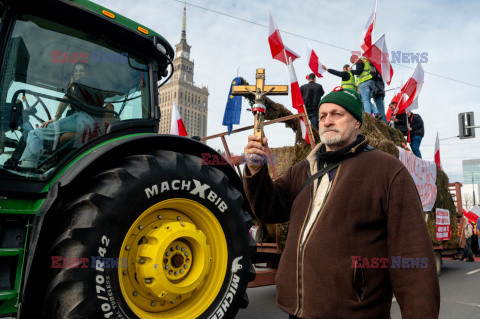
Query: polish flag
x=436 y=154
x=377 y=54
x=177 y=127
x=411 y=90
x=395 y=98
x=314 y=62
x=279 y=51
x=367 y=33
x=297 y=99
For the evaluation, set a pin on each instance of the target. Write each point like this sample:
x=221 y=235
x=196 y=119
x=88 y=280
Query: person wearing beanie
x=356 y=223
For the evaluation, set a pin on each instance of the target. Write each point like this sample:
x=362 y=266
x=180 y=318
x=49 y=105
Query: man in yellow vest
x=365 y=82
x=348 y=79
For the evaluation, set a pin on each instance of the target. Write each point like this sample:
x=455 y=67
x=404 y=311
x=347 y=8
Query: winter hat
x=348 y=99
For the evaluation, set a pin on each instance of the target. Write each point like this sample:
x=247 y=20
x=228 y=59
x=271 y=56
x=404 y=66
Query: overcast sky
x=446 y=30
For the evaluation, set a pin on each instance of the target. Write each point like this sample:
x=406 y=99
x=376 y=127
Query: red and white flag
x=279 y=51
x=177 y=127
x=367 y=33
x=411 y=90
x=396 y=98
x=377 y=54
x=314 y=62
x=297 y=99
x=436 y=154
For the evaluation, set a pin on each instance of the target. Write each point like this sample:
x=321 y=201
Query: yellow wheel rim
x=177 y=256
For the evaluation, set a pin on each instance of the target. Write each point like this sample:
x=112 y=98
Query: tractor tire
x=438 y=262
x=159 y=235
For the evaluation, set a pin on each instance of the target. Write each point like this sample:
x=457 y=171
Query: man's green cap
x=348 y=99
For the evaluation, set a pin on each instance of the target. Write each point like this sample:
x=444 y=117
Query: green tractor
x=100 y=216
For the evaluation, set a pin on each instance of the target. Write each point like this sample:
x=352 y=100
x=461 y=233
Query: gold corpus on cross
x=260 y=91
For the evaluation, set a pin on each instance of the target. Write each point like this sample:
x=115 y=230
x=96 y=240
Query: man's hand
x=255 y=153
x=324 y=67
x=44 y=124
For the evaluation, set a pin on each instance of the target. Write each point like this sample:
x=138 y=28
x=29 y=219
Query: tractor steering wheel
x=32 y=110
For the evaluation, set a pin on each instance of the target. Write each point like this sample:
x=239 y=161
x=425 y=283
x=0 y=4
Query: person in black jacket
x=398 y=121
x=378 y=93
x=416 y=132
x=312 y=94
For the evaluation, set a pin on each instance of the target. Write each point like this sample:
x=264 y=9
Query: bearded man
x=357 y=233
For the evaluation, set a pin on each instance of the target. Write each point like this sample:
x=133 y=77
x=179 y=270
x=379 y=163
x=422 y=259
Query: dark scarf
x=324 y=157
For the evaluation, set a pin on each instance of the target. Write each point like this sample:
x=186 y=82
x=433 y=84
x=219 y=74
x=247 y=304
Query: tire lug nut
x=168 y=254
x=177 y=248
x=127 y=247
x=185 y=266
x=183 y=248
x=166 y=267
x=186 y=253
x=173 y=301
x=170 y=272
x=165 y=260
x=172 y=249
x=124 y=272
x=140 y=227
x=179 y=218
x=187 y=260
x=176 y=273
x=153 y=304
x=181 y=224
x=135 y=293
x=148 y=281
x=159 y=216
x=141 y=261
x=181 y=271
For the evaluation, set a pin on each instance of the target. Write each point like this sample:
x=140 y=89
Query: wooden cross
x=260 y=90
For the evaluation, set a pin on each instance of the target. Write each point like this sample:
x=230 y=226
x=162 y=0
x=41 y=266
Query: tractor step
x=7 y=252
x=8 y=294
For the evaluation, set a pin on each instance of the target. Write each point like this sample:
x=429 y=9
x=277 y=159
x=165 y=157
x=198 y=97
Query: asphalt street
x=459 y=289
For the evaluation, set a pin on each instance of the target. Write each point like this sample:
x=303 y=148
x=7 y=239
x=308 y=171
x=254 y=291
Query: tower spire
x=184 y=31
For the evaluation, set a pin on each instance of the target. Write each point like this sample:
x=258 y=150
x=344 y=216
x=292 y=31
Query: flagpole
x=374 y=21
x=306 y=118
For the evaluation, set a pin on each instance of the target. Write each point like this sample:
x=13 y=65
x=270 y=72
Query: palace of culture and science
x=192 y=100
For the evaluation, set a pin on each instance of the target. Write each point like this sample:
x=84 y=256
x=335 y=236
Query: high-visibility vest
x=350 y=83
x=365 y=75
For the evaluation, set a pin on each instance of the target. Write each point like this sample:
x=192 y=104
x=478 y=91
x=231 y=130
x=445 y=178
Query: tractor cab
x=66 y=83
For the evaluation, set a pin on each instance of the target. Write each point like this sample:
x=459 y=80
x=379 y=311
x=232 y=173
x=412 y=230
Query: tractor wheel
x=158 y=236
x=438 y=262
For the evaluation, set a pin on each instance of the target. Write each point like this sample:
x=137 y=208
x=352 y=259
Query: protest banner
x=443 y=224
x=424 y=174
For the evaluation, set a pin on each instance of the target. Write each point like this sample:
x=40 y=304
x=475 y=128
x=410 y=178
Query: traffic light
x=466 y=125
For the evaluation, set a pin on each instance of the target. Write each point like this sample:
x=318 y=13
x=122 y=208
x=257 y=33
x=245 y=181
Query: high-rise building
x=471 y=182
x=471 y=171
x=192 y=100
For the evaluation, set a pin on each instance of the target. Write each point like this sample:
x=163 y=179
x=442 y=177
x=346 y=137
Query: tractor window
x=59 y=90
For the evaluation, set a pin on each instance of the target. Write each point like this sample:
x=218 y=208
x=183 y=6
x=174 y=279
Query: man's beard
x=332 y=140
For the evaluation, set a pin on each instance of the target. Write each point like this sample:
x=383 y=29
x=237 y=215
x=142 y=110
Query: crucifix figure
x=260 y=90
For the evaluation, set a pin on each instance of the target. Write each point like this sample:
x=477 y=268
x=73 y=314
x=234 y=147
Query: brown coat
x=373 y=210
